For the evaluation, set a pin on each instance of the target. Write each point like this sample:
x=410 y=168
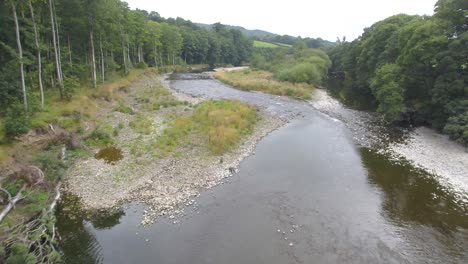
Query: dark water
x=334 y=202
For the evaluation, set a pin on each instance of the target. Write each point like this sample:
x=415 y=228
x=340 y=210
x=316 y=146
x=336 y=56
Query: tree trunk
x=39 y=62
x=20 y=56
x=103 y=69
x=93 y=58
x=54 y=43
x=58 y=43
x=16 y=199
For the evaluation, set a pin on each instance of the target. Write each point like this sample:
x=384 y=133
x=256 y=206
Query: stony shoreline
x=162 y=184
x=422 y=147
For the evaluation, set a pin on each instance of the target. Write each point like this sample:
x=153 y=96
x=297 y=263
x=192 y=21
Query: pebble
x=291 y=244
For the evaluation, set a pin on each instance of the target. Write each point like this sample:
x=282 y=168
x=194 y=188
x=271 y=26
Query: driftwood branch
x=56 y=198
x=12 y=203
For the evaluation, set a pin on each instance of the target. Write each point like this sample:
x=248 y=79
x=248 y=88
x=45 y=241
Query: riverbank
x=424 y=148
x=161 y=181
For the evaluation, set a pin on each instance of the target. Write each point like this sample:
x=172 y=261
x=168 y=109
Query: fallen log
x=12 y=203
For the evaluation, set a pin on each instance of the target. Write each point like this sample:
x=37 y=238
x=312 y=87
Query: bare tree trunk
x=39 y=62
x=58 y=42
x=93 y=58
x=103 y=69
x=12 y=202
x=54 y=43
x=20 y=56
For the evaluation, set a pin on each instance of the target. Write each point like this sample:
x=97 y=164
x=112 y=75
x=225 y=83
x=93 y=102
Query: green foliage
x=220 y=124
x=53 y=167
x=412 y=67
x=124 y=109
x=388 y=92
x=100 y=136
x=262 y=44
x=141 y=124
x=457 y=127
x=298 y=64
x=303 y=72
x=20 y=255
x=258 y=80
x=16 y=122
x=70 y=86
x=142 y=65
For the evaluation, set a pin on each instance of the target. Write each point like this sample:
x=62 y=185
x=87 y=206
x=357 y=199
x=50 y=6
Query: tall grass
x=257 y=80
x=218 y=124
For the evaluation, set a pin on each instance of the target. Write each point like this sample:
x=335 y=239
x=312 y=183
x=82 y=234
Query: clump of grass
x=257 y=80
x=141 y=125
x=100 y=136
x=218 y=124
x=124 y=109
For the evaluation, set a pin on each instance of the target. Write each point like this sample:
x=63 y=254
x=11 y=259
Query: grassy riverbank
x=264 y=81
x=33 y=164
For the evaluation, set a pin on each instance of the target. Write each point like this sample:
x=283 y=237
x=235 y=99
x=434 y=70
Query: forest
x=413 y=69
x=57 y=47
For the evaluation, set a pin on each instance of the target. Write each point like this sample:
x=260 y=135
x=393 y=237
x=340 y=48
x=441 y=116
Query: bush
x=457 y=128
x=70 y=85
x=20 y=255
x=142 y=65
x=303 y=72
x=17 y=122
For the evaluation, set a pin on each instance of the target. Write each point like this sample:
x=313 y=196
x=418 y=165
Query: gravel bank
x=423 y=147
x=440 y=156
x=163 y=184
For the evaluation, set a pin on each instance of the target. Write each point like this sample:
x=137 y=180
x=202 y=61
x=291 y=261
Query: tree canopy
x=414 y=68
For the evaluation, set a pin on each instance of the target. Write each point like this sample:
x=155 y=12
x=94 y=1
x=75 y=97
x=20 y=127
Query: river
x=309 y=194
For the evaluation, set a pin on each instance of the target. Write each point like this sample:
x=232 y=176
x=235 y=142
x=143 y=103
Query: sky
x=327 y=19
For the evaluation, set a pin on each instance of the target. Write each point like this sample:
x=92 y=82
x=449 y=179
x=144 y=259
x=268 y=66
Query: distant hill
x=266 y=36
x=251 y=33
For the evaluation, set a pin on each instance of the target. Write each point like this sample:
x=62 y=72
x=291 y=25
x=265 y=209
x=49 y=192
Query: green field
x=282 y=44
x=262 y=44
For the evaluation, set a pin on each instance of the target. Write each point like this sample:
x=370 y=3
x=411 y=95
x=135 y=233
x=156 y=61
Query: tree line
x=414 y=69
x=55 y=46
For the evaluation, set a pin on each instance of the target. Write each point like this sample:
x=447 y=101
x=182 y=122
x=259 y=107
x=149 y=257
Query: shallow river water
x=307 y=195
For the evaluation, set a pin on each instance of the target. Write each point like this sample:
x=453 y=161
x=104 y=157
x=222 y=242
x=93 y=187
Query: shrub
x=142 y=65
x=70 y=85
x=16 y=121
x=20 y=255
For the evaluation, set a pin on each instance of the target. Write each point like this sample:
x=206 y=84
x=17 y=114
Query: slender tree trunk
x=93 y=58
x=58 y=43
x=69 y=51
x=54 y=43
x=20 y=56
x=39 y=62
x=103 y=69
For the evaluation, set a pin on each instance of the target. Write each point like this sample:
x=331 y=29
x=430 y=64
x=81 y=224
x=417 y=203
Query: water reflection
x=411 y=195
x=77 y=231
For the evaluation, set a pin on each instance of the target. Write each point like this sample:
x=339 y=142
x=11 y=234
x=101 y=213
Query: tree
x=20 y=54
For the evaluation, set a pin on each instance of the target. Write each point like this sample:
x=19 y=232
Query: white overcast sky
x=313 y=18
